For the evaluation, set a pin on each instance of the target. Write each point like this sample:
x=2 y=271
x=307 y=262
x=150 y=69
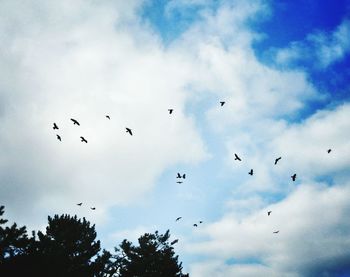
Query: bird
x=222 y=103
x=195 y=225
x=79 y=204
x=251 y=172
x=93 y=208
x=75 y=122
x=107 y=116
x=276 y=232
x=58 y=137
x=294 y=176
x=181 y=176
x=329 y=151
x=276 y=161
x=178 y=218
x=55 y=127
x=174 y=241
x=237 y=158
x=128 y=131
x=179 y=182
x=269 y=212
x=200 y=222
x=83 y=139
x=170 y=111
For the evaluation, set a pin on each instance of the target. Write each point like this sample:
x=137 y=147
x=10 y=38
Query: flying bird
x=174 y=241
x=75 y=122
x=276 y=161
x=55 y=127
x=58 y=137
x=329 y=151
x=79 y=204
x=179 y=182
x=181 y=176
x=200 y=222
x=237 y=158
x=107 y=116
x=195 y=225
x=178 y=218
x=128 y=131
x=294 y=176
x=269 y=212
x=170 y=111
x=251 y=172
x=276 y=232
x=83 y=139
x=222 y=103
x=93 y=208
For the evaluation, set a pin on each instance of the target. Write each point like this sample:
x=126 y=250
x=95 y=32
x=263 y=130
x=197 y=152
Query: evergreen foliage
x=68 y=248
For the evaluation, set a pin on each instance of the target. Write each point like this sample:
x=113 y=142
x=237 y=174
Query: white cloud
x=84 y=61
x=313 y=236
x=321 y=48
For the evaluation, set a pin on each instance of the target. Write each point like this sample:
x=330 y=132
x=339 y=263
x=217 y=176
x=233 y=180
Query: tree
x=154 y=257
x=13 y=240
x=68 y=248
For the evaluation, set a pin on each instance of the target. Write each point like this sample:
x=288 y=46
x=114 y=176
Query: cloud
x=313 y=239
x=85 y=61
x=321 y=48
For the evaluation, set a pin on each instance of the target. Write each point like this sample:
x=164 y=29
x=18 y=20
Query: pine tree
x=154 y=257
x=13 y=240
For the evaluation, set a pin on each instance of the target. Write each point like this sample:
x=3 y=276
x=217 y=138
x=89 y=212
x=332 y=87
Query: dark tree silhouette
x=154 y=257
x=68 y=248
x=13 y=240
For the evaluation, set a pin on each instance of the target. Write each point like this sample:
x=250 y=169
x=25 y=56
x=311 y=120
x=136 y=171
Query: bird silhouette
x=329 y=151
x=83 y=139
x=181 y=176
x=200 y=222
x=195 y=225
x=79 y=204
x=107 y=116
x=129 y=131
x=93 y=208
x=269 y=212
x=276 y=232
x=178 y=218
x=75 y=122
x=294 y=176
x=179 y=182
x=58 y=137
x=251 y=172
x=55 y=127
x=222 y=103
x=174 y=241
x=237 y=158
x=170 y=111
x=276 y=161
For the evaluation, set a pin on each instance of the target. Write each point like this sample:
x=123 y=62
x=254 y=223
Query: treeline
x=69 y=248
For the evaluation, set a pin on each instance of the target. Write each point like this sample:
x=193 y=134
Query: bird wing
x=75 y=121
x=129 y=131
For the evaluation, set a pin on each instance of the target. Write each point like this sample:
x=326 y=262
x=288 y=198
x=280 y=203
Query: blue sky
x=282 y=67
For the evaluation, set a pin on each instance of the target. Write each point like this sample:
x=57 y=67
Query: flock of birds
x=179 y=176
x=76 y=122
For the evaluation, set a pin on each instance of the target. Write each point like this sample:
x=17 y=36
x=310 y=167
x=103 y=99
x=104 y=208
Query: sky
x=282 y=69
